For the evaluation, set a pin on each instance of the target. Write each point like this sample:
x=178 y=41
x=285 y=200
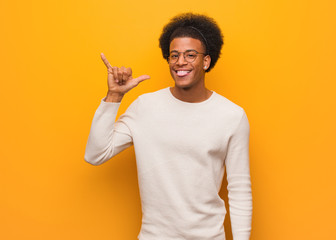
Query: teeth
x=182 y=73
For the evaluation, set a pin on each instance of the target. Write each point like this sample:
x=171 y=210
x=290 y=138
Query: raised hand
x=120 y=80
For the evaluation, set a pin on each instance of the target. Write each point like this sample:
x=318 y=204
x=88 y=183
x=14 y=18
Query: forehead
x=186 y=43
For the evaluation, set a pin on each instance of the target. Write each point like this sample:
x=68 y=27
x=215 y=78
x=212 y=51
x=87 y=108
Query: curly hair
x=196 y=26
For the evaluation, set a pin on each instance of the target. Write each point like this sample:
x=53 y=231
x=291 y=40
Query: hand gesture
x=120 y=80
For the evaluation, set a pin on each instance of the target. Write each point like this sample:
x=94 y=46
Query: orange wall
x=278 y=63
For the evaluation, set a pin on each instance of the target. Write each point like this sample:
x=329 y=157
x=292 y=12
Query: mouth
x=182 y=73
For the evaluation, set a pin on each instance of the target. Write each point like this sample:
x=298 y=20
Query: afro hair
x=196 y=26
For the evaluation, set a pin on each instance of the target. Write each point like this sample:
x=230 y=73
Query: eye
x=191 y=55
x=173 y=55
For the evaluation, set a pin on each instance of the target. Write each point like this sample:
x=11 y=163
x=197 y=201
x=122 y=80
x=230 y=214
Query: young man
x=184 y=137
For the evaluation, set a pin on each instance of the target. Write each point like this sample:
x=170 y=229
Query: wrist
x=113 y=97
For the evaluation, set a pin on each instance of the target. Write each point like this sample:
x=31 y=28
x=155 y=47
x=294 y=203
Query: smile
x=182 y=73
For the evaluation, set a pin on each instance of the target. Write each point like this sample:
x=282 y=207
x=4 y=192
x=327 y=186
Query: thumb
x=142 y=78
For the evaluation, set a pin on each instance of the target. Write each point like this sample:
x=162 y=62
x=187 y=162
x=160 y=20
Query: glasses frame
x=184 y=56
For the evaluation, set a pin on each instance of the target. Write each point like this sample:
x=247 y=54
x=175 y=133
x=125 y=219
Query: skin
x=189 y=88
x=119 y=81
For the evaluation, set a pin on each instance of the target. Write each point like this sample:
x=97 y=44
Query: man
x=183 y=136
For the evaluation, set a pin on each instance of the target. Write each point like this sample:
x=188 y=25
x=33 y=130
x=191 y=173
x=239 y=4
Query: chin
x=182 y=82
x=183 y=86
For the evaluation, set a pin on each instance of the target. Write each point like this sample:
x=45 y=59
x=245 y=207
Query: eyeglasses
x=189 y=56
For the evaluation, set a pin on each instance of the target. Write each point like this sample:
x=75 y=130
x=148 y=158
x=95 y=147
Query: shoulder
x=230 y=113
x=148 y=101
x=153 y=98
x=153 y=95
x=227 y=106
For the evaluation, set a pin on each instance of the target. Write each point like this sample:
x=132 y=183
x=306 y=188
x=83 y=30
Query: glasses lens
x=190 y=55
x=173 y=57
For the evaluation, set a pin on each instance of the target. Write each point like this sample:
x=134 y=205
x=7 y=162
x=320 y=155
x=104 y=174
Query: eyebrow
x=185 y=50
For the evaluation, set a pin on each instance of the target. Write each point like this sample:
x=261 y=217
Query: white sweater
x=181 y=152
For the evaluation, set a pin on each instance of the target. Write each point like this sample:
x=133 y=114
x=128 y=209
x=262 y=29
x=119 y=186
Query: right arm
x=105 y=141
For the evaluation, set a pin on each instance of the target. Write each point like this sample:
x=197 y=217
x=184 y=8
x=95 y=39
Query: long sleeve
x=239 y=183
x=107 y=137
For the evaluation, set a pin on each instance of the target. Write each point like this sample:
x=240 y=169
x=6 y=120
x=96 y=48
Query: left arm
x=239 y=183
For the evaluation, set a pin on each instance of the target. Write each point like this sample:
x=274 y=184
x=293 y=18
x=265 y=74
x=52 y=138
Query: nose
x=181 y=59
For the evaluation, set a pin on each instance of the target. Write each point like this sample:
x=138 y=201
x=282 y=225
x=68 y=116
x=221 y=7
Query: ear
x=206 y=62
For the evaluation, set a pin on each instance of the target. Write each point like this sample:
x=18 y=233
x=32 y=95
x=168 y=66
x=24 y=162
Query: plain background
x=278 y=63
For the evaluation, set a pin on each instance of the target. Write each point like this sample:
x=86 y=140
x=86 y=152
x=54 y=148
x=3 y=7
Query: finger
x=142 y=78
x=135 y=81
x=124 y=75
x=107 y=64
x=129 y=72
x=115 y=74
x=110 y=72
x=120 y=73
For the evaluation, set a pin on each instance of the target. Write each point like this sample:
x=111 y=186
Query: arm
x=105 y=141
x=106 y=138
x=239 y=183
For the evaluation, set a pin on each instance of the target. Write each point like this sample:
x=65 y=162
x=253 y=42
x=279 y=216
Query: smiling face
x=188 y=75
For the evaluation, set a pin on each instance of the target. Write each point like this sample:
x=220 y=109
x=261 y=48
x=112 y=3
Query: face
x=185 y=74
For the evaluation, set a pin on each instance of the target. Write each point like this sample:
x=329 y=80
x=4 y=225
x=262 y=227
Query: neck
x=192 y=95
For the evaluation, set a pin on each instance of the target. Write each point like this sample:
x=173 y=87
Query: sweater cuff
x=111 y=107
